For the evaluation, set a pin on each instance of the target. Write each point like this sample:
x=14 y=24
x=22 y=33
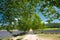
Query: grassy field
x=49 y=36
x=51 y=29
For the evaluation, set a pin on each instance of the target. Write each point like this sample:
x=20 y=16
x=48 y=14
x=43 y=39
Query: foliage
x=34 y=23
x=26 y=12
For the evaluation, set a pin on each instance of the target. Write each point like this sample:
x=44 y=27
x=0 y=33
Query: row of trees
x=53 y=25
x=26 y=13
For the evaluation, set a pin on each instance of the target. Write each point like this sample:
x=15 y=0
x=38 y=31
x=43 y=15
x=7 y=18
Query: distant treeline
x=53 y=25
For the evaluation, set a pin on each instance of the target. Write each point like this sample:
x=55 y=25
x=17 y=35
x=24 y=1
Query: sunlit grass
x=51 y=29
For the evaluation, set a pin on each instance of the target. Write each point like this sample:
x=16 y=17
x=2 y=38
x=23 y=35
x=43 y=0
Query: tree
x=49 y=9
x=33 y=23
x=24 y=9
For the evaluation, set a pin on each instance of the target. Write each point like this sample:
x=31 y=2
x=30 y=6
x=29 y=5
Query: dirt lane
x=35 y=37
x=31 y=37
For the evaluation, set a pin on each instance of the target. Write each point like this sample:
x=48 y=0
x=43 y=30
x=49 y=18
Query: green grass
x=51 y=29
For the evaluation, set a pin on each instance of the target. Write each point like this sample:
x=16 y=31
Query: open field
x=51 y=29
x=42 y=36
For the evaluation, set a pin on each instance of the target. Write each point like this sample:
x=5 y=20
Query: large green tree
x=24 y=10
x=30 y=23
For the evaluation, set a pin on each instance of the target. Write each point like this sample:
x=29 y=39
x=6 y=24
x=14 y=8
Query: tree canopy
x=26 y=11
